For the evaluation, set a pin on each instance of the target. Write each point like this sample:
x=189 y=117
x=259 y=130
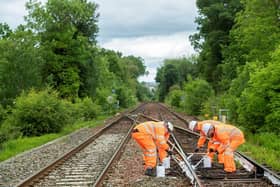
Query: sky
x=152 y=29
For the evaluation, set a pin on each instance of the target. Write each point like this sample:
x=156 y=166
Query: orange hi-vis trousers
x=149 y=149
x=152 y=137
x=230 y=138
x=229 y=164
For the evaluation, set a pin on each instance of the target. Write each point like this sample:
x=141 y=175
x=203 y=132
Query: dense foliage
x=52 y=71
x=216 y=18
x=174 y=72
x=238 y=55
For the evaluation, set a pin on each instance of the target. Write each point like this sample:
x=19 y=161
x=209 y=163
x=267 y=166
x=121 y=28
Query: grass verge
x=264 y=148
x=14 y=147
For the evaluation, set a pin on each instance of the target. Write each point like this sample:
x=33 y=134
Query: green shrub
x=125 y=96
x=174 y=98
x=38 y=113
x=260 y=102
x=197 y=92
x=2 y=114
x=86 y=109
x=8 y=132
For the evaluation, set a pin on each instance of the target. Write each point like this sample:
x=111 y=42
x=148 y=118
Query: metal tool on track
x=182 y=160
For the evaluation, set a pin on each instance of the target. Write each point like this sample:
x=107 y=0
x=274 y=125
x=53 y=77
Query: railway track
x=111 y=158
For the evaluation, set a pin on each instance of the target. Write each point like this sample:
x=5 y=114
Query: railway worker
x=152 y=137
x=212 y=143
x=229 y=137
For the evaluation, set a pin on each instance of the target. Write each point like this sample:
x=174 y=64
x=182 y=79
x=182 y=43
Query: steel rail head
x=184 y=164
x=116 y=155
x=30 y=180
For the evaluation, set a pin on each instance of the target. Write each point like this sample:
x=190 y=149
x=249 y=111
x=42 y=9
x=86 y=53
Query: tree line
x=52 y=71
x=237 y=66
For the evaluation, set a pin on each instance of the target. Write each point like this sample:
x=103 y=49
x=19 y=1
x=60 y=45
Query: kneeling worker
x=229 y=138
x=153 y=136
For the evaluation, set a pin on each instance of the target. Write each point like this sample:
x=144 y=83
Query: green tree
x=5 y=30
x=255 y=34
x=167 y=76
x=20 y=64
x=143 y=93
x=175 y=96
x=260 y=102
x=215 y=20
x=67 y=29
x=196 y=92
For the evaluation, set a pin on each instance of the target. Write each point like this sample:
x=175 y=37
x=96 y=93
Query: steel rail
x=44 y=171
x=116 y=155
x=188 y=169
x=261 y=171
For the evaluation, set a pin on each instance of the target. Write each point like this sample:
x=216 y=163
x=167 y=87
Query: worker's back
x=153 y=128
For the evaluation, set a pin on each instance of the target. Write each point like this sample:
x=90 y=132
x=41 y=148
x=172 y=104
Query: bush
x=8 y=132
x=2 y=114
x=174 y=98
x=197 y=92
x=125 y=96
x=86 y=109
x=38 y=113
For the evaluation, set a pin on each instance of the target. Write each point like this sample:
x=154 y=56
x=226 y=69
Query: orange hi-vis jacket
x=152 y=136
x=229 y=136
x=157 y=130
x=203 y=137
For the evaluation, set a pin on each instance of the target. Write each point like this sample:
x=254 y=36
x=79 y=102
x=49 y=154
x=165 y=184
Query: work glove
x=169 y=152
x=211 y=150
x=196 y=150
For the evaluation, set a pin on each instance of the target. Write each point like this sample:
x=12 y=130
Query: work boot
x=149 y=172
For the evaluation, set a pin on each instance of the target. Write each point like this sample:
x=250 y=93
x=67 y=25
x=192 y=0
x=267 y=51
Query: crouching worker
x=152 y=137
x=229 y=137
x=213 y=144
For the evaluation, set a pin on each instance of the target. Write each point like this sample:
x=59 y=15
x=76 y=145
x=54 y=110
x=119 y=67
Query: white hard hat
x=192 y=125
x=170 y=126
x=206 y=127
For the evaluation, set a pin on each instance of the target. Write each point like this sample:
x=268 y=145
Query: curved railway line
x=111 y=158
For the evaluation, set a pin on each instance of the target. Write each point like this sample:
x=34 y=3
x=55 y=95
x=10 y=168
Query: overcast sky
x=151 y=29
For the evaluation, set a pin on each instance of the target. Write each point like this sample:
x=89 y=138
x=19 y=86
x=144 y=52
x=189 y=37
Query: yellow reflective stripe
x=150 y=154
x=161 y=142
x=228 y=151
x=152 y=129
x=160 y=137
x=150 y=150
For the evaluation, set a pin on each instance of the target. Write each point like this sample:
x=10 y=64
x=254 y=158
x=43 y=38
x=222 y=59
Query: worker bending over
x=224 y=140
x=152 y=137
x=212 y=144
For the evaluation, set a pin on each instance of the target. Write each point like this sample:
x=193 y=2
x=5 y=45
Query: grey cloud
x=126 y=18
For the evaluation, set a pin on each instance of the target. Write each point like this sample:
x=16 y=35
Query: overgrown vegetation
x=53 y=74
x=238 y=55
